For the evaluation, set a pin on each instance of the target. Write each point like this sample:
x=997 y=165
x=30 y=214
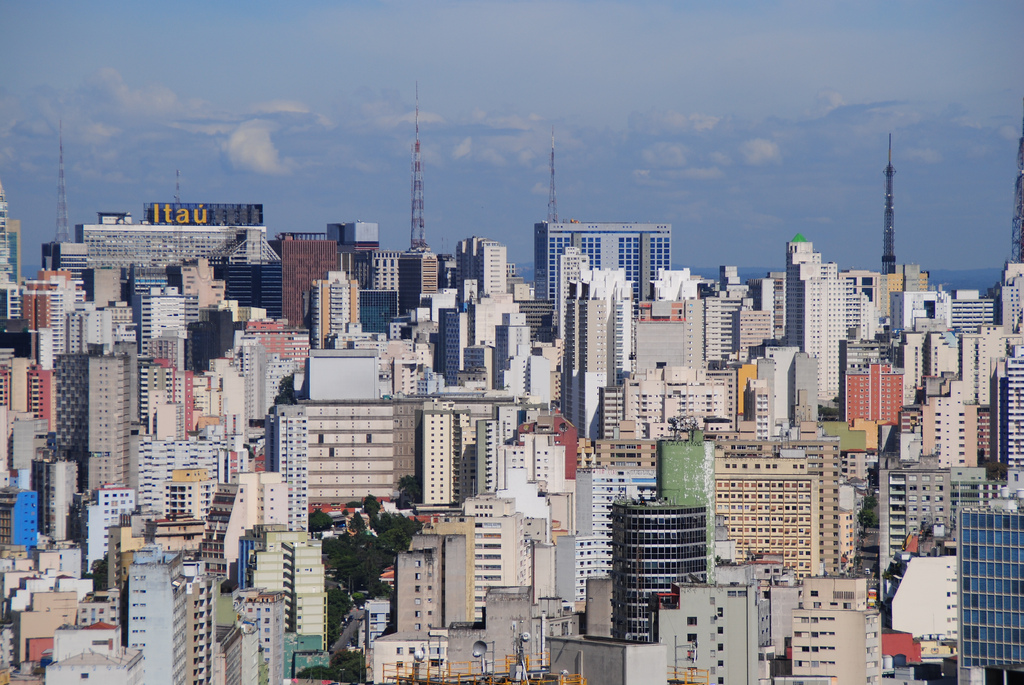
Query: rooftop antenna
x=889 y=233
x=177 y=187
x=1017 y=249
x=552 y=202
x=63 y=235
x=418 y=242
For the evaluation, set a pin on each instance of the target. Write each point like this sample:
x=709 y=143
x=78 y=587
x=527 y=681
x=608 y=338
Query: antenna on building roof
x=177 y=187
x=552 y=201
x=63 y=235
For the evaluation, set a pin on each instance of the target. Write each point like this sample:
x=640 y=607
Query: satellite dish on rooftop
x=419 y=654
x=479 y=648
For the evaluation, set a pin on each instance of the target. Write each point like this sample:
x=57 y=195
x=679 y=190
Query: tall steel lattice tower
x=1017 y=249
x=419 y=233
x=552 y=202
x=889 y=233
x=63 y=235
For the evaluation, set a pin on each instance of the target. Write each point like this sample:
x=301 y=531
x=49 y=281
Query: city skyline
x=764 y=123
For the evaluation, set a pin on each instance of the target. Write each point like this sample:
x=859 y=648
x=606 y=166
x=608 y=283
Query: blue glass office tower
x=639 y=249
x=990 y=549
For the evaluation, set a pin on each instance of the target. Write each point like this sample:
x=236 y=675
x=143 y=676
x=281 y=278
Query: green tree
x=995 y=470
x=338 y=605
x=372 y=507
x=320 y=521
x=286 y=391
x=99 y=573
x=410 y=487
x=319 y=673
x=356 y=524
x=350 y=665
x=868 y=518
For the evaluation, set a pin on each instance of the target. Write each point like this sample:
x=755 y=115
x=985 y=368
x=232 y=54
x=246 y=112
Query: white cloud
x=701 y=174
x=926 y=155
x=720 y=158
x=463 y=148
x=151 y=100
x=250 y=149
x=671 y=122
x=760 y=151
x=280 y=106
x=665 y=155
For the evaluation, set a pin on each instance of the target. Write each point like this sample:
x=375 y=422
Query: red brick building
x=305 y=257
x=874 y=394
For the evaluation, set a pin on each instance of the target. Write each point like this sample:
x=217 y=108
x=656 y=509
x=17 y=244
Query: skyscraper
x=815 y=319
x=10 y=242
x=990 y=587
x=305 y=257
x=484 y=261
x=598 y=344
x=641 y=250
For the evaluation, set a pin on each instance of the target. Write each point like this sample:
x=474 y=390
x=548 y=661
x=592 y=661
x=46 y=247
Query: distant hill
x=968 y=279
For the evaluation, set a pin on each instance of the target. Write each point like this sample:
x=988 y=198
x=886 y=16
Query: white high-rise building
x=571 y=264
x=109 y=502
x=484 y=261
x=158 y=614
x=598 y=343
x=160 y=311
x=158 y=459
x=815 y=311
x=287 y=453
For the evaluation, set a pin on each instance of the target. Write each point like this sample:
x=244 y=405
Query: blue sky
x=741 y=123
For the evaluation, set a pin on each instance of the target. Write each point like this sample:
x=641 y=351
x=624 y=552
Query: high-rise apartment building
x=835 y=634
x=874 y=394
x=334 y=303
x=10 y=243
x=95 y=401
x=305 y=258
x=598 y=344
x=484 y=261
x=763 y=469
x=641 y=250
x=287 y=453
x=289 y=561
x=815 y=315
x=158 y=615
x=449 y=453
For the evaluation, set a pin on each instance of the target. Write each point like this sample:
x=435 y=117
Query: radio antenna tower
x=63 y=236
x=552 y=202
x=889 y=233
x=418 y=242
x=177 y=187
x=1017 y=249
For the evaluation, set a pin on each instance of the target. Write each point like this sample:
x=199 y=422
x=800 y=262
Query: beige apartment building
x=782 y=498
x=771 y=506
x=835 y=634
